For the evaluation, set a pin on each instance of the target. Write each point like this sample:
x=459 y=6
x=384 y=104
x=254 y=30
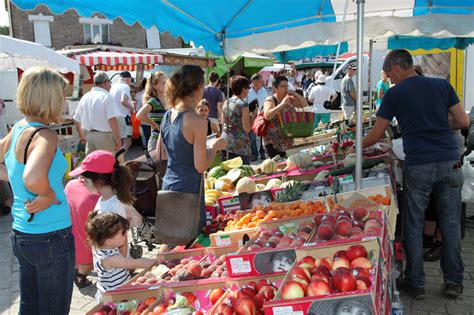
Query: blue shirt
x=421 y=106
x=54 y=218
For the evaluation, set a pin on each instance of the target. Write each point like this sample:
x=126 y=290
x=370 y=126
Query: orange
x=386 y=201
x=260 y=214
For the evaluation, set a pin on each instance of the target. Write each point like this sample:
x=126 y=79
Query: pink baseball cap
x=99 y=161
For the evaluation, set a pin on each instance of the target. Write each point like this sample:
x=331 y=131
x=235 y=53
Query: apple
x=325 y=232
x=320 y=276
x=225 y=309
x=326 y=262
x=215 y=295
x=361 y=214
x=329 y=218
x=299 y=272
x=245 y=306
x=340 y=262
x=230 y=300
x=361 y=262
x=261 y=283
x=324 y=269
x=339 y=253
x=372 y=223
x=189 y=296
x=292 y=290
x=365 y=280
x=355 y=251
x=318 y=218
x=375 y=215
x=303 y=282
x=343 y=227
x=259 y=299
x=343 y=280
x=361 y=285
x=305 y=228
x=339 y=237
x=361 y=272
x=246 y=291
x=318 y=287
x=343 y=214
x=308 y=260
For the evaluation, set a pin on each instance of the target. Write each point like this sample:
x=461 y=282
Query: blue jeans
x=445 y=181
x=46 y=265
x=253 y=144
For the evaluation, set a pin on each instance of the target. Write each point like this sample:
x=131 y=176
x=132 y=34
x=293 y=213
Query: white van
x=377 y=62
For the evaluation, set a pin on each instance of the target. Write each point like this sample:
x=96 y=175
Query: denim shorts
x=46 y=265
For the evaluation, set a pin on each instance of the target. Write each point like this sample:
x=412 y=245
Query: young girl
x=101 y=173
x=107 y=232
x=202 y=109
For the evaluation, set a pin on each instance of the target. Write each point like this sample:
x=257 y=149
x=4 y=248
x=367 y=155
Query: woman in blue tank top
x=41 y=233
x=183 y=134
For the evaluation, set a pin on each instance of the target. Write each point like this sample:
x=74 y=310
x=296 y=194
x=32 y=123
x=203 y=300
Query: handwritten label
x=239 y=265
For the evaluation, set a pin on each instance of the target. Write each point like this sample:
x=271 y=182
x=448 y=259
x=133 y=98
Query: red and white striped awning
x=119 y=59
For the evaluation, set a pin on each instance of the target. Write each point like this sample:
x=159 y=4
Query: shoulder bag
x=177 y=214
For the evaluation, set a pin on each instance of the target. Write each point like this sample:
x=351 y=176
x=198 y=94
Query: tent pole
x=369 y=87
x=359 y=121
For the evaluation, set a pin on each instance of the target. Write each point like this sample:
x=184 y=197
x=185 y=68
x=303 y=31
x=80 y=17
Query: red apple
x=195 y=269
x=339 y=253
x=365 y=280
x=245 y=306
x=268 y=292
x=299 y=272
x=307 y=259
x=343 y=280
x=246 y=291
x=318 y=287
x=303 y=282
x=356 y=251
x=320 y=276
x=318 y=218
x=259 y=299
x=324 y=269
x=261 y=283
x=329 y=218
x=215 y=295
x=361 y=262
x=343 y=214
x=361 y=272
x=230 y=300
x=340 y=262
x=189 y=296
x=292 y=290
x=326 y=262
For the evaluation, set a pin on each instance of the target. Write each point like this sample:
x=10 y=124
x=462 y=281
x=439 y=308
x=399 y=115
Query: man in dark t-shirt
x=427 y=110
x=214 y=96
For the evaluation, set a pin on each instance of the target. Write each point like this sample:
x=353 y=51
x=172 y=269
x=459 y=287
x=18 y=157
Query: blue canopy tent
x=309 y=52
x=231 y=27
x=428 y=43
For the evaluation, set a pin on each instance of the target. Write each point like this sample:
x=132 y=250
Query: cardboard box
x=269 y=262
x=236 y=237
x=328 y=304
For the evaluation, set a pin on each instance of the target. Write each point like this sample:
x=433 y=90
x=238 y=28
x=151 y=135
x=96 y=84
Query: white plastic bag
x=467 y=191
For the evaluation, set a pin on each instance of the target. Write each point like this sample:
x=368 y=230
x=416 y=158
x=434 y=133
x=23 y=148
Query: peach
x=215 y=295
x=329 y=218
x=361 y=285
x=356 y=251
x=343 y=227
x=343 y=280
x=320 y=276
x=340 y=262
x=299 y=272
x=325 y=232
x=326 y=262
x=195 y=269
x=361 y=272
x=245 y=305
x=307 y=259
x=361 y=214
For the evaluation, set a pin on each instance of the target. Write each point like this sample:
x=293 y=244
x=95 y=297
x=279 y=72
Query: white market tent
x=231 y=27
x=17 y=53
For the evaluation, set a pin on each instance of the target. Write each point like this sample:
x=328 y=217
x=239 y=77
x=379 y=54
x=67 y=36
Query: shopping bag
x=467 y=192
x=260 y=125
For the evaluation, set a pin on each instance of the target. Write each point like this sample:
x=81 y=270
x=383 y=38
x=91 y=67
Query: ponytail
x=121 y=181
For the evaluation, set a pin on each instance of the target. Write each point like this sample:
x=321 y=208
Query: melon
x=273 y=183
x=269 y=166
x=216 y=172
x=245 y=184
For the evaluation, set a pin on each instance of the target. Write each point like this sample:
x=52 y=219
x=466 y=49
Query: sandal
x=434 y=253
x=81 y=280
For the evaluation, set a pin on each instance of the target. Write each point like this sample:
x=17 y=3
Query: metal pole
x=369 y=87
x=359 y=121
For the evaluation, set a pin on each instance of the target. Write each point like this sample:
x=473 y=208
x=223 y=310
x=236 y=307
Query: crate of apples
x=246 y=300
x=347 y=224
x=269 y=238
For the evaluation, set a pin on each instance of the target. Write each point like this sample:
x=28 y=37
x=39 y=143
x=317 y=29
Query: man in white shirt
x=96 y=117
x=257 y=91
x=318 y=95
x=120 y=91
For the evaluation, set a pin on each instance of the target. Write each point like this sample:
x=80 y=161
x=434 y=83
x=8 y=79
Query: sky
x=3 y=13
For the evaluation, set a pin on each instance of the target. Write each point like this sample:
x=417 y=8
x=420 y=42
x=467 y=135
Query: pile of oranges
x=378 y=198
x=274 y=211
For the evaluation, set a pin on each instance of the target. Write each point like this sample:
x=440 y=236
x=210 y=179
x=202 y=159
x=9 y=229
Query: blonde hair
x=41 y=94
x=182 y=84
x=151 y=82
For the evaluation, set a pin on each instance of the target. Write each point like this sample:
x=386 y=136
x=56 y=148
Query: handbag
x=327 y=104
x=177 y=215
x=260 y=125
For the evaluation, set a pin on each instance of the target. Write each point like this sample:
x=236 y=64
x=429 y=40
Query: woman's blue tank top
x=57 y=216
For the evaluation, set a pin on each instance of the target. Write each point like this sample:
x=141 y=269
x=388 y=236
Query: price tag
x=223 y=240
x=283 y=310
x=239 y=265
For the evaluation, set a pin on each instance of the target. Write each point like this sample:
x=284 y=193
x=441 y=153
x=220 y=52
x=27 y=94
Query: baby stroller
x=144 y=170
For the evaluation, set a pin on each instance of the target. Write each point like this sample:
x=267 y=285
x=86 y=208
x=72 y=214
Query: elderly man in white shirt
x=258 y=92
x=96 y=117
x=120 y=91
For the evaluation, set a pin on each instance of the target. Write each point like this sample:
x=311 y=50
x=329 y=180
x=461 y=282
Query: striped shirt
x=109 y=279
x=157 y=110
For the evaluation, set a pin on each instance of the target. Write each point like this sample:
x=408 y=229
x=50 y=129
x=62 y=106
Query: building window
x=96 y=30
x=41 y=28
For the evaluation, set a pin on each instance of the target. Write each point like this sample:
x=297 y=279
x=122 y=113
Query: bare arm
x=353 y=94
x=458 y=118
x=3 y=173
x=82 y=136
x=142 y=115
x=270 y=109
x=380 y=93
x=35 y=176
x=215 y=129
x=203 y=156
x=220 y=115
x=300 y=100
x=127 y=263
x=246 y=119
x=376 y=133
x=116 y=131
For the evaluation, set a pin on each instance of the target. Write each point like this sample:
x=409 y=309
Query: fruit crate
x=370 y=295
x=391 y=209
x=229 y=238
x=309 y=174
x=264 y=178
